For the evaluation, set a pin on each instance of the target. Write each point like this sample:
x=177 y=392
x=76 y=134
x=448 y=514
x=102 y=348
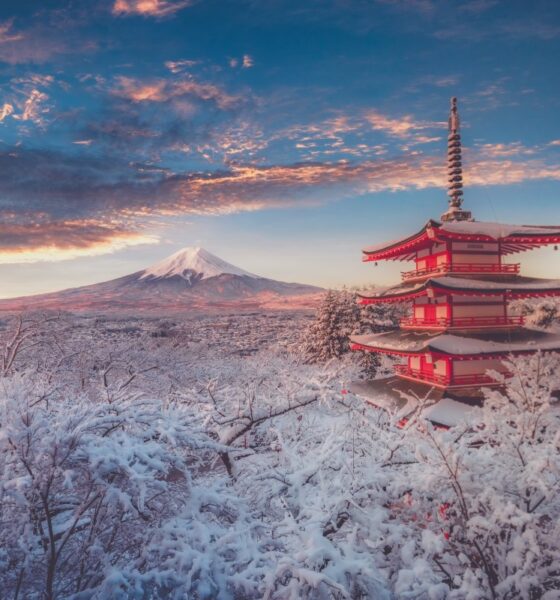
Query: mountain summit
x=193 y=264
x=192 y=279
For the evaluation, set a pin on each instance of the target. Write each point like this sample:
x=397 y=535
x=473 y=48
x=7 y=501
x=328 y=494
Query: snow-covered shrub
x=485 y=500
x=539 y=313
x=101 y=500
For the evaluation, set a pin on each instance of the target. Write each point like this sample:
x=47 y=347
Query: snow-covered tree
x=339 y=316
x=484 y=504
x=539 y=313
x=328 y=335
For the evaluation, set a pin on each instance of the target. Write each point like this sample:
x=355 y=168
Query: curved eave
x=439 y=288
x=404 y=249
x=510 y=244
x=434 y=232
x=438 y=353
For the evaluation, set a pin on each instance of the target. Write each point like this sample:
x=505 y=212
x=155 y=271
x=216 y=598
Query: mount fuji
x=191 y=279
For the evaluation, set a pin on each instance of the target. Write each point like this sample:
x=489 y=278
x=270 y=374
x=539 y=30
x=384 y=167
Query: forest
x=222 y=457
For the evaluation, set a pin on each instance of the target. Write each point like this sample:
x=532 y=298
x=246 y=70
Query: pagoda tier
x=464 y=248
x=446 y=303
x=455 y=361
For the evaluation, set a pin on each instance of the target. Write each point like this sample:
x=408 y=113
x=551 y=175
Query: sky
x=281 y=135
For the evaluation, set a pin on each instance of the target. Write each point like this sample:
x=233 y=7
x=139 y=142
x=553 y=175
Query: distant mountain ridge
x=190 y=279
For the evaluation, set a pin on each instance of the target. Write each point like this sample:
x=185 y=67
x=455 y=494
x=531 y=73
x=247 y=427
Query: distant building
x=460 y=289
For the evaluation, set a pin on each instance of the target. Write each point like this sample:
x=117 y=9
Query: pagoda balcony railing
x=458 y=322
x=463 y=269
x=475 y=379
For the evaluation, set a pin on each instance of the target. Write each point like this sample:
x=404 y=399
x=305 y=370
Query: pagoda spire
x=455 y=169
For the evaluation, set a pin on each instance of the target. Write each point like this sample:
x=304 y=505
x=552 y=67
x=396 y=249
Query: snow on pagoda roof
x=521 y=286
x=499 y=231
x=396 y=396
x=448 y=412
x=405 y=343
x=514 y=238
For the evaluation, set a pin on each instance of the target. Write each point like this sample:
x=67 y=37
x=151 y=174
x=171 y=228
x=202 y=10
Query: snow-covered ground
x=204 y=458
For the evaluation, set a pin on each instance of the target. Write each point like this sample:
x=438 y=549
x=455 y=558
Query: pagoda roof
x=398 y=397
x=462 y=347
x=516 y=288
x=513 y=238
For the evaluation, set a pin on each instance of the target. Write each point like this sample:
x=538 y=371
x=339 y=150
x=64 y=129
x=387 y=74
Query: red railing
x=467 y=322
x=444 y=380
x=406 y=371
x=466 y=268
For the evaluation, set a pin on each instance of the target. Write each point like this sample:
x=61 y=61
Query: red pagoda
x=460 y=325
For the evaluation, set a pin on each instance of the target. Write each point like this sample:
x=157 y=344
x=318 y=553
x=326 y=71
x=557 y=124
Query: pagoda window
x=440 y=368
x=490 y=299
x=477 y=367
x=479 y=310
x=414 y=363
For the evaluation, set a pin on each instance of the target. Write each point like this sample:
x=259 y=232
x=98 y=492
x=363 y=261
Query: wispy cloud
x=163 y=90
x=149 y=8
x=7 y=34
x=6 y=110
x=178 y=66
x=65 y=240
x=34 y=108
x=507 y=150
x=248 y=61
x=36 y=44
x=402 y=127
x=109 y=203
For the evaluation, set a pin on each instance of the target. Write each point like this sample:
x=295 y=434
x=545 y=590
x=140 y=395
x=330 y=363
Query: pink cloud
x=34 y=45
x=151 y=8
x=402 y=127
x=160 y=90
x=6 y=110
x=248 y=61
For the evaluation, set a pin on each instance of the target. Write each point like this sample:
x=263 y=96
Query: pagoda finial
x=455 y=169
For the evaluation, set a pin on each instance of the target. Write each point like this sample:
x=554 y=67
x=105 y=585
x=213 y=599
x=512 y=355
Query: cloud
x=65 y=240
x=402 y=127
x=6 y=110
x=162 y=90
x=506 y=150
x=149 y=8
x=37 y=44
x=7 y=34
x=248 y=61
x=55 y=206
x=178 y=66
x=26 y=102
x=33 y=108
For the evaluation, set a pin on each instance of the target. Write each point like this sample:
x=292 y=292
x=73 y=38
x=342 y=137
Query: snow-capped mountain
x=190 y=279
x=193 y=264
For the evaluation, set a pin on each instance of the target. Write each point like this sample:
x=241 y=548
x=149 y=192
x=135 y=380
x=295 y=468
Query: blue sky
x=281 y=135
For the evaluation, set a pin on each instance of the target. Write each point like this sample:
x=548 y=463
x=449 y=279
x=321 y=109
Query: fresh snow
x=192 y=261
x=448 y=412
x=454 y=344
x=521 y=284
x=495 y=231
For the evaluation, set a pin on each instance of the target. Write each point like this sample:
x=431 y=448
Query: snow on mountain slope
x=193 y=263
x=192 y=279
